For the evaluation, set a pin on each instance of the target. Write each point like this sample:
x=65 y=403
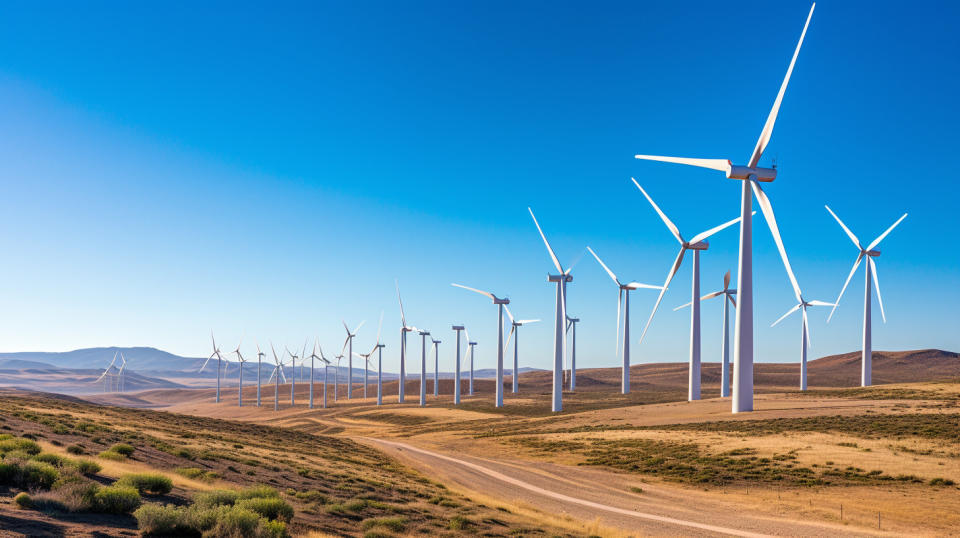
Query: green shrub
x=191 y=472
x=8 y=473
x=23 y=500
x=156 y=520
x=76 y=450
x=75 y=495
x=111 y=455
x=259 y=492
x=396 y=524
x=123 y=449
x=233 y=521
x=117 y=500
x=217 y=497
x=459 y=523
x=86 y=467
x=37 y=475
x=941 y=482
x=270 y=508
x=26 y=445
x=52 y=459
x=150 y=483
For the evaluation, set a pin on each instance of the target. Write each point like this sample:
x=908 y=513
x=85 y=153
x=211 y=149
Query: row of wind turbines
x=738 y=383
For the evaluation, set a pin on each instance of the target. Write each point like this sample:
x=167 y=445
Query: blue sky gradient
x=268 y=172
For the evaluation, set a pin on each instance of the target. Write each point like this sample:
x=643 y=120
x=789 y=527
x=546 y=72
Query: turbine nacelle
x=765 y=175
x=873 y=253
x=700 y=245
x=559 y=278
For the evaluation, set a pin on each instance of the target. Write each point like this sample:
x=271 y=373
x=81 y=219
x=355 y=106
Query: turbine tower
x=572 y=324
x=276 y=374
x=260 y=356
x=456 y=376
x=216 y=353
x=751 y=175
x=336 y=377
x=470 y=353
x=293 y=374
x=866 y=367
x=623 y=305
x=379 y=349
x=559 y=334
x=698 y=243
x=513 y=329
x=326 y=374
x=123 y=364
x=423 y=366
x=240 y=361
x=348 y=343
x=436 y=367
x=728 y=296
x=313 y=358
x=404 y=329
x=501 y=303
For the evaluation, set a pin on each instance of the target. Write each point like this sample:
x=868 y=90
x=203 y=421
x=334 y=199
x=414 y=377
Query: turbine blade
x=509 y=315
x=821 y=303
x=605 y=268
x=358 y=326
x=714 y=164
x=201 y=368
x=475 y=290
x=783 y=317
x=553 y=255
x=732 y=300
x=711 y=295
x=527 y=321
x=876 y=284
x=726 y=281
x=670 y=225
x=403 y=318
x=884 y=234
x=768 y=215
x=666 y=284
x=380 y=327
x=703 y=235
x=506 y=347
x=806 y=327
x=345 y=326
x=681 y=307
x=852 y=237
x=844 y=288
x=767 y=131
x=641 y=286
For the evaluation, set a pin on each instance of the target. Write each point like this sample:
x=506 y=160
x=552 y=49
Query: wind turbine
x=106 y=371
x=623 y=305
x=123 y=364
x=698 y=243
x=313 y=357
x=501 y=303
x=216 y=353
x=260 y=356
x=513 y=329
x=572 y=324
x=336 y=373
x=366 y=364
x=728 y=296
x=866 y=366
x=404 y=329
x=326 y=373
x=293 y=374
x=348 y=343
x=559 y=333
x=470 y=353
x=436 y=367
x=456 y=377
x=240 y=362
x=751 y=175
x=423 y=366
x=276 y=374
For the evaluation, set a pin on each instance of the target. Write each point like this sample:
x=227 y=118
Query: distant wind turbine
x=698 y=243
x=751 y=175
x=501 y=303
x=456 y=376
x=293 y=375
x=728 y=296
x=870 y=252
x=423 y=366
x=276 y=375
x=404 y=329
x=348 y=346
x=216 y=353
x=260 y=356
x=106 y=371
x=336 y=374
x=123 y=364
x=572 y=324
x=436 y=367
x=514 y=323
x=240 y=361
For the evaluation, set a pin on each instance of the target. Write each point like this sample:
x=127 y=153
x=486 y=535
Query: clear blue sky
x=269 y=171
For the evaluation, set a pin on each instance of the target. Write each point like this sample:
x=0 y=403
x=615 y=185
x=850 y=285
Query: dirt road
x=590 y=495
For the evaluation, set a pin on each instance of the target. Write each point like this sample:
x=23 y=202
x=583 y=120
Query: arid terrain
x=833 y=460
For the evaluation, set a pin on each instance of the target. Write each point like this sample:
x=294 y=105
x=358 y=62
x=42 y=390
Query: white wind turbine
x=436 y=367
x=123 y=364
x=216 y=353
x=866 y=366
x=366 y=365
x=698 y=243
x=336 y=378
x=326 y=373
x=260 y=356
x=456 y=376
x=572 y=324
x=377 y=348
x=106 y=371
x=404 y=329
x=423 y=366
x=348 y=343
x=500 y=303
x=240 y=361
x=623 y=305
x=276 y=374
x=559 y=333
x=728 y=296
x=751 y=175
x=313 y=357
x=293 y=374
x=470 y=345
x=514 y=323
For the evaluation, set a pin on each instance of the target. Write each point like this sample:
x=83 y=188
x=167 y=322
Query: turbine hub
x=873 y=253
x=743 y=172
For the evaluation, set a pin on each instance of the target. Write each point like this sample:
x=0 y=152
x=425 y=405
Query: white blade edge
x=703 y=235
x=681 y=307
x=820 y=303
x=670 y=225
x=884 y=234
x=527 y=321
x=553 y=255
x=475 y=290
x=844 y=288
x=876 y=284
x=783 y=317
x=806 y=327
x=358 y=326
x=403 y=319
x=714 y=164
x=673 y=271
x=201 y=368
x=852 y=237
x=642 y=286
x=605 y=268
x=767 y=131
x=509 y=314
x=380 y=326
x=506 y=346
x=775 y=231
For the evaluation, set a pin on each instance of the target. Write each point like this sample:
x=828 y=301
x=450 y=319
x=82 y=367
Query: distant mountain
x=32 y=375
x=138 y=358
x=20 y=364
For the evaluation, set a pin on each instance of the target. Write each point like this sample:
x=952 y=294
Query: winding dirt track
x=566 y=491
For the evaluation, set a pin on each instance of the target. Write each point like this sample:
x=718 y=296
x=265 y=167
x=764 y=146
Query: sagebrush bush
x=111 y=455
x=76 y=450
x=52 y=459
x=217 y=497
x=156 y=520
x=117 y=499
x=37 y=475
x=69 y=496
x=23 y=500
x=87 y=467
x=150 y=483
x=258 y=492
x=26 y=445
x=269 y=507
x=123 y=449
x=396 y=524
